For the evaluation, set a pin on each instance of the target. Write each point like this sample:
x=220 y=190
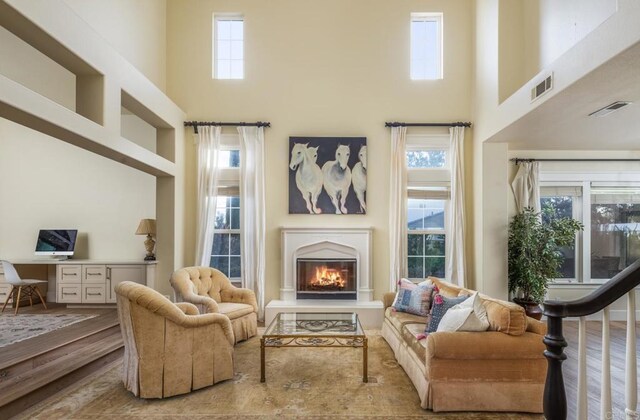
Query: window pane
x=615 y=233
x=415 y=246
x=434 y=245
x=236 y=50
x=223 y=50
x=221 y=263
x=416 y=267
x=222 y=219
x=426 y=158
x=234 y=244
x=237 y=69
x=235 y=218
x=234 y=267
x=224 y=69
x=234 y=201
x=425 y=214
x=554 y=207
x=229 y=158
x=224 y=29
x=220 y=244
x=236 y=29
x=434 y=266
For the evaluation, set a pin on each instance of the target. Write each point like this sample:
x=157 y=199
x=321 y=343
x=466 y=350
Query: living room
x=94 y=95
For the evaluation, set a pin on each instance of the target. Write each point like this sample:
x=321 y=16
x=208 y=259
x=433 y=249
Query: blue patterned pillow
x=413 y=298
x=441 y=304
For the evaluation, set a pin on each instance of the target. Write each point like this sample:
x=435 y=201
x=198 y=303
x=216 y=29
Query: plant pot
x=532 y=309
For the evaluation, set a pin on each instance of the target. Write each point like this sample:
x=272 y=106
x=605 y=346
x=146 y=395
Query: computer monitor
x=56 y=242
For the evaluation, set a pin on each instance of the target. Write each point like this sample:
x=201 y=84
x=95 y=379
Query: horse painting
x=359 y=178
x=308 y=174
x=337 y=178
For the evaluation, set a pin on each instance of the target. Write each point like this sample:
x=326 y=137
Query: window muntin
x=225 y=254
x=228 y=47
x=426 y=46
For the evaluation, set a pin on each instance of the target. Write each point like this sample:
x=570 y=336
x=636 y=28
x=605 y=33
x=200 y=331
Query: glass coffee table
x=315 y=329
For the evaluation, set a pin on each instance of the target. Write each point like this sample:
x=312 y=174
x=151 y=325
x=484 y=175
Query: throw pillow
x=441 y=304
x=469 y=315
x=413 y=298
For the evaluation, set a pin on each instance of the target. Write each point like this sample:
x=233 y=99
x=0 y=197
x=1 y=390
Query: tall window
x=610 y=211
x=226 y=253
x=427 y=207
x=426 y=46
x=228 y=47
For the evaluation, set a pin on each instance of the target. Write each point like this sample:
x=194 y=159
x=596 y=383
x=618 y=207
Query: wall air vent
x=609 y=109
x=543 y=87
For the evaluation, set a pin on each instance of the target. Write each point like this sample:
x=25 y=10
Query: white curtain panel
x=526 y=186
x=455 y=270
x=398 y=207
x=252 y=219
x=208 y=149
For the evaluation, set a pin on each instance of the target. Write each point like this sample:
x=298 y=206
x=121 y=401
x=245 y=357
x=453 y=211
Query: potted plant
x=534 y=255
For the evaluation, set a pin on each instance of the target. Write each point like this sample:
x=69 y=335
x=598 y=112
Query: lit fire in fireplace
x=327 y=278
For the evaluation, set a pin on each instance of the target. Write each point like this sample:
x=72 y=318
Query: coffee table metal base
x=314 y=341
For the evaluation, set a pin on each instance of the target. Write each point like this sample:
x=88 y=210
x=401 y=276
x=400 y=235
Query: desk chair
x=30 y=287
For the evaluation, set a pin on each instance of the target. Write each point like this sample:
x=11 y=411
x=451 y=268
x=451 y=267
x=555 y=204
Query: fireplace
x=325 y=278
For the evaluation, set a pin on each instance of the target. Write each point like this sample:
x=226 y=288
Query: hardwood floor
x=594 y=367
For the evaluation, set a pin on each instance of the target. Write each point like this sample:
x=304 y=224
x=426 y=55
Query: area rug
x=321 y=383
x=15 y=328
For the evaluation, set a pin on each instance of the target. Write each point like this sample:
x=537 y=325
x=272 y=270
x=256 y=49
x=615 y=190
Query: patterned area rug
x=15 y=328
x=301 y=383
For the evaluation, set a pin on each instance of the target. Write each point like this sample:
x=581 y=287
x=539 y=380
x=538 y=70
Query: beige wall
x=329 y=68
x=47 y=183
x=135 y=28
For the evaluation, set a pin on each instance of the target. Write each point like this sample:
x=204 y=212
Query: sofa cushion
x=413 y=335
x=449 y=289
x=505 y=317
x=234 y=310
x=400 y=319
x=413 y=298
x=441 y=304
x=469 y=315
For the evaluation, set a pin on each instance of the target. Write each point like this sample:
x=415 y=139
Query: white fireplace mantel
x=327 y=243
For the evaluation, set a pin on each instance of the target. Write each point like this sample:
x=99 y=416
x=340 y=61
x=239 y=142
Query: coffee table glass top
x=316 y=324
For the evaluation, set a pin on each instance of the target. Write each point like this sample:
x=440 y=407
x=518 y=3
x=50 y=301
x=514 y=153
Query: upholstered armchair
x=170 y=349
x=212 y=291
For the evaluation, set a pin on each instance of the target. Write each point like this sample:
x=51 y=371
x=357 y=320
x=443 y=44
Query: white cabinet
x=5 y=288
x=95 y=283
x=119 y=273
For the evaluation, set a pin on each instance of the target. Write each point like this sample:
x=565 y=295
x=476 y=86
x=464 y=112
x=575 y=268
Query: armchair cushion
x=235 y=310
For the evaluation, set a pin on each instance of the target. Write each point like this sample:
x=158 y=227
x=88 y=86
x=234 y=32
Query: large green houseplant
x=534 y=254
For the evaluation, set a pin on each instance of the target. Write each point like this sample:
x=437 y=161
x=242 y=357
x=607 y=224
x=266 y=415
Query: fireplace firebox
x=321 y=278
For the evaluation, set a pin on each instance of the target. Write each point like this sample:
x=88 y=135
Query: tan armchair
x=212 y=291
x=170 y=349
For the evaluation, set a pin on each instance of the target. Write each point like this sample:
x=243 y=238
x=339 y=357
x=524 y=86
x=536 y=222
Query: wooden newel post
x=555 y=399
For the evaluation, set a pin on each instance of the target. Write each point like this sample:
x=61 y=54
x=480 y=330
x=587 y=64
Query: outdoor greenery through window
x=225 y=255
x=426 y=238
x=611 y=239
x=426 y=158
x=229 y=159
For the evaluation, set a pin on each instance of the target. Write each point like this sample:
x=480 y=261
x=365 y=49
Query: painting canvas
x=327 y=175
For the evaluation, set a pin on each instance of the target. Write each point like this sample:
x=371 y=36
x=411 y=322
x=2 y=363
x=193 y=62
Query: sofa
x=502 y=369
x=212 y=292
x=170 y=349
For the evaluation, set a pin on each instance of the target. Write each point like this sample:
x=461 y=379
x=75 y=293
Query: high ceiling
x=562 y=122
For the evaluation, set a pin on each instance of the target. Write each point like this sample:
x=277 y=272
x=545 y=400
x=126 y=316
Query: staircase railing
x=555 y=400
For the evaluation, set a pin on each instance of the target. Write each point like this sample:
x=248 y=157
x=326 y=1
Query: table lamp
x=148 y=227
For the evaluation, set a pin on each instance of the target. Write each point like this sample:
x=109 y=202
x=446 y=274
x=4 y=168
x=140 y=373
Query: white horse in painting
x=359 y=178
x=337 y=178
x=308 y=174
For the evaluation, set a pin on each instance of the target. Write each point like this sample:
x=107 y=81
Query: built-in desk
x=82 y=281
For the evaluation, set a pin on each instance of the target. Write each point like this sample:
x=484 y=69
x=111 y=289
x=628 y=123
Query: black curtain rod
x=518 y=160
x=451 y=124
x=196 y=124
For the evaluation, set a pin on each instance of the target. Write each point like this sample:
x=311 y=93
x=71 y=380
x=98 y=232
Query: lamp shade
x=146 y=227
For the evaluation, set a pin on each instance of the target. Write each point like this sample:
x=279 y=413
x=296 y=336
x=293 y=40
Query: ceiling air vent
x=541 y=88
x=609 y=109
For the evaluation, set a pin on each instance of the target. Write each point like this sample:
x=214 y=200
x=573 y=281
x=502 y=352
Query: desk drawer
x=69 y=273
x=94 y=274
x=93 y=293
x=69 y=293
x=4 y=292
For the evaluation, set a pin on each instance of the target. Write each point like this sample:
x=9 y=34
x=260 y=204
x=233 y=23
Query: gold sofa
x=170 y=349
x=212 y=292
x=502 y=369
